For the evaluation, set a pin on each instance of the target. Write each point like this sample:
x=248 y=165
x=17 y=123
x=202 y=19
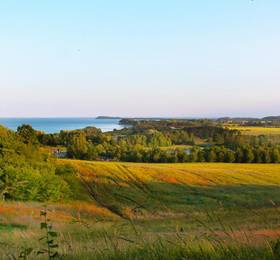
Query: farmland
x=255 y=130
x=181 y=182
x=120 y=209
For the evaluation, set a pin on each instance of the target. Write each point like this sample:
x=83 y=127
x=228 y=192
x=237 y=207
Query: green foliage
x=28 y=183
x=78 y=146
x=27 y=134
x=149 y=141
x=51 y=246
x=275 y=155
x=25 y=172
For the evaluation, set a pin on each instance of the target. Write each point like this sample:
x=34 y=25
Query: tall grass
x=137 y=213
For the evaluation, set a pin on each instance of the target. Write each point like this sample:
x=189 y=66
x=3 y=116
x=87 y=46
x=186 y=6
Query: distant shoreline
x=109 y=117
x=55 y=125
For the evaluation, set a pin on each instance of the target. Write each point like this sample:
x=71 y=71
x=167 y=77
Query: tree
x=155 y=155
x=221 y=156
x=258 y=155
x=239 y=155
x=78 y=146
x=266 y=156
x=201 y=156
x=211 y=156
x=218 y=139
x=248 y=155
x=229 y=156
x=27 y=134
x=91 y=153
x=275 y=156
x=193 y=155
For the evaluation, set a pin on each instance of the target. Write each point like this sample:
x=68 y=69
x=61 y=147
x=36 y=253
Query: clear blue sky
x=139 y=58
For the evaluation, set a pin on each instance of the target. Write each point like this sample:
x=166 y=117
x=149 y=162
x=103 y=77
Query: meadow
x=154 y=211
x=256 y=130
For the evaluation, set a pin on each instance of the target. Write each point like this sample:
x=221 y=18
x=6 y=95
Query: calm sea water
x=54 y=125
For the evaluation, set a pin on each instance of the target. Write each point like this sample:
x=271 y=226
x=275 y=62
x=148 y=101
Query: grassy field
x=156 y=211
x=175 y=147
x=252 y=130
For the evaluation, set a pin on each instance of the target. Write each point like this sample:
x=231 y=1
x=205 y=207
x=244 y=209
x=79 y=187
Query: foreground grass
x=156 y=211
x=162 y=250
x=96 y=237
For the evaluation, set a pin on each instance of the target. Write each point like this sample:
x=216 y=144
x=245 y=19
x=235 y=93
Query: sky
x=173 y=58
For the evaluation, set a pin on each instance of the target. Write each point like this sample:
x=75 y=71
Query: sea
x=55 y=125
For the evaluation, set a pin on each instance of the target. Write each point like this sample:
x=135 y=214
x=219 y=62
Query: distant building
x=59 y=154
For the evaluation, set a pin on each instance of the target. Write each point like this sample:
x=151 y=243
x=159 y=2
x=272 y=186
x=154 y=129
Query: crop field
x=252 y=130
x=129 y=209
x=179 y=186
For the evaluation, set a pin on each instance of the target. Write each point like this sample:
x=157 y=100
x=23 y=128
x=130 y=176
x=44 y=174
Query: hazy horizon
x=192 y=59
x=136 y=117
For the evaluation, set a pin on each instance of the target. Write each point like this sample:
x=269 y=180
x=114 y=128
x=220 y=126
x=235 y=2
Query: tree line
x=146 y=142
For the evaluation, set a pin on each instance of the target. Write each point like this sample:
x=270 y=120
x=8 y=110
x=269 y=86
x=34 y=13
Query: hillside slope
x=120 y=208
x=179 y=187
